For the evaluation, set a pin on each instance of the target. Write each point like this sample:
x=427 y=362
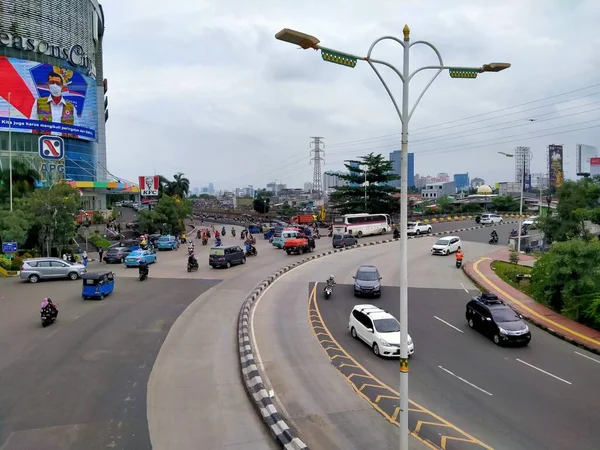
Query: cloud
x=203 y=87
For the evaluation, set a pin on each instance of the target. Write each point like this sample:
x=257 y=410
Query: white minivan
x=490 y=218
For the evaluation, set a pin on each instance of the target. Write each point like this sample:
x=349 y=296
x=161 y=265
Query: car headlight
x=385 y=343
x=526 y=329
x=377 y=286
x=502 y=330
x=409 y=341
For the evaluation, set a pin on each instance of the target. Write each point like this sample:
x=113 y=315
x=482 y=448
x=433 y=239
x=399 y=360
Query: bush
x=98 y=241
x=5 y=262
x=509 y=272
x=16 y=264
x=97 y=217
x=514 y=257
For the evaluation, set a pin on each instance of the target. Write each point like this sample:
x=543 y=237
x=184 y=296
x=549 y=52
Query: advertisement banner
x=594 y=167
x=555 y=169
x=149 y=186
x=47 y=99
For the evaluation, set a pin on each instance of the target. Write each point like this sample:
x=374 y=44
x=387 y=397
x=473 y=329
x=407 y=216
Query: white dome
x=484 y=190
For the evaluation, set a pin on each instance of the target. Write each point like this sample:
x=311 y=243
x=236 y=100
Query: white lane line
x=588 y=357
x=543 y=371
x=463 y=286
x=465 y=381
x=449 y=324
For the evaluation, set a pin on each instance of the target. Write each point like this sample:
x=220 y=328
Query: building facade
x=396 y=160
x=332 y=180
x=53 y=85
x=462 y=181
x=437 y=190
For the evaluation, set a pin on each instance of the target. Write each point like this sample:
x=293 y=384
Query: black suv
x=494 y=318
x=367 y=281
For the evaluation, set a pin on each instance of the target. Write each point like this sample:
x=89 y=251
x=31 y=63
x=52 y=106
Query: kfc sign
x=149 y=186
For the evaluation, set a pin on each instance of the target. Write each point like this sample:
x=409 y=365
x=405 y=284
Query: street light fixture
x=525 y=157
x=306 y=41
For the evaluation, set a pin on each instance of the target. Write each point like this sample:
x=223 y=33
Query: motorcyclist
x=217 y=235
x=218 y=241
x=223 y=231
x=396 y=233
x=248 y=247
x=233 y=231
x=192 y=261
x=143 y=268
x=513 y=232
x=494 y=234
x=204 y=236
x=331 y=281
x=49 y=307
x=191 y=246
x=459 y=255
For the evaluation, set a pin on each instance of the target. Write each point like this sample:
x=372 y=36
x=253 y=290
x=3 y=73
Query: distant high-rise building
x=211 y=188
x=461 y=180
x=396 y=160
x=308 y=186
x=331 y=180
x=476 y=182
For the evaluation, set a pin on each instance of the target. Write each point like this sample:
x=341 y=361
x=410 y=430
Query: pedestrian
x=100 y=253
x=84 y=257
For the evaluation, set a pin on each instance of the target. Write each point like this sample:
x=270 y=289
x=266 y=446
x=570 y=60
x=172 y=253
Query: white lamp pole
x=10 y=174
x=307 y=41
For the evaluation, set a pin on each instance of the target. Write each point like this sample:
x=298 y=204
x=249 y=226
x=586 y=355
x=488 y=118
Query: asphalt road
x=81 y=383
x=542 y=396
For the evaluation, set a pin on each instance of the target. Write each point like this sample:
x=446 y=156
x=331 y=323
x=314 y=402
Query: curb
x=536 y=322
x=274 y=420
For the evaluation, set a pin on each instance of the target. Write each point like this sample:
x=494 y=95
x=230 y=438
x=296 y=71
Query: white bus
x=362 y=224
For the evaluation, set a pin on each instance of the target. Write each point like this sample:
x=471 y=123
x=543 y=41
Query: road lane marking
x=465 y=381
x=449 y=324
x=463 y=286
x=588 y=357
x=373 y=389
x=543 y=371
x=527 y=308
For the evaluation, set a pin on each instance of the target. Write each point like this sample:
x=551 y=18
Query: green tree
x=470 y=208
x=168 y=216
x=24 y=178
x=379 y=175
x=286 y=210
x=505 y=203
x=567 y=279
x=261 y=205
x=15 y=226
x=445 y=204
x=578 y=202
x=53 y=211
x=180 y=186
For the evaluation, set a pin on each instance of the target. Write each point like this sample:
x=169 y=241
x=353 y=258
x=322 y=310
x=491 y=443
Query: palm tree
x=180 y=186
x=24 y=178
x=164 y=186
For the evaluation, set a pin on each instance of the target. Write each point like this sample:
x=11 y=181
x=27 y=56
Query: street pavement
x=538 y=397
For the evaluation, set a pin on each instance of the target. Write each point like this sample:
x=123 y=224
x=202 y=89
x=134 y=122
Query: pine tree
x=351 y=198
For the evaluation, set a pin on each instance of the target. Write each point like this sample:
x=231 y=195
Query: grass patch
x=509 y=273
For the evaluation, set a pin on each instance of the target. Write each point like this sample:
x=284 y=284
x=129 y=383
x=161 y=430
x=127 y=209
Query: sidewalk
x=481 y=272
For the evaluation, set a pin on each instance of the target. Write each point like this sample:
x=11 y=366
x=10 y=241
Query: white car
x=530 y=222
x=446 y=245
x=490 y=218
x=378 y=329
x=418 y=228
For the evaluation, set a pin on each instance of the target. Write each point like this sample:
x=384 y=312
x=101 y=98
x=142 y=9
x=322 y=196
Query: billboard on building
x=149 y=186
x=594 y=167
x=47 y=99
x=555 y=165
x=584 y=154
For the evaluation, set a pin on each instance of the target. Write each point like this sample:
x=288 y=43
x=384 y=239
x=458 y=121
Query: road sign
x=149 y=186
x=51 y=147
x=9 y=247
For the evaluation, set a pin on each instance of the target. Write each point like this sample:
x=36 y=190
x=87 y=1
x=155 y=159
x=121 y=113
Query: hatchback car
x=494 y=318
x=446 y=245
x=378 y=329
x=343 y=240
x=35 y=269
x=226 y=256
x=134 y=258
x=116 y=255
x=367 y=281
x=490 y=218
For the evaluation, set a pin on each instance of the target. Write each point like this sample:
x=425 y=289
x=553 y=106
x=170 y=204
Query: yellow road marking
x=327 y=340
x=421 y=409
x=379 y=397
x=396 y=413
x=370 y=385
x=420 y=423
x=527 y=308
x=358 y=375
x=451 y=438
x=347 y=365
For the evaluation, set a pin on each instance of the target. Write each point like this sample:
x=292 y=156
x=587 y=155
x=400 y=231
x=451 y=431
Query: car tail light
x=345 y=229
x=22 y=267
x=221 y=259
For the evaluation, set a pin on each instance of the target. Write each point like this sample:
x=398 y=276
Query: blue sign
x=9 y=247
x=51 y=147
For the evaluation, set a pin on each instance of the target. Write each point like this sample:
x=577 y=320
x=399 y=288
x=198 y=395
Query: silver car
x=35 y=269
x=343 y=240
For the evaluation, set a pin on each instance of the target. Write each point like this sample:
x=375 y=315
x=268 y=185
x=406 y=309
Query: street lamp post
x=366 y=184
x=10 y=174
x=525 y=158
x=307 y=41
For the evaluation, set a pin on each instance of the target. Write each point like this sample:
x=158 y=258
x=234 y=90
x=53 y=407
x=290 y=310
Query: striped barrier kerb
x=457 y=218
x=286 y=437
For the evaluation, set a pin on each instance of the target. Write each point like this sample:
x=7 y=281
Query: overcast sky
x=203 y=87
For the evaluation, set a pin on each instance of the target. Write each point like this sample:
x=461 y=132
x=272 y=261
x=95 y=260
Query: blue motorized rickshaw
x=269 y=232
x=97 y=284
x=254 y=228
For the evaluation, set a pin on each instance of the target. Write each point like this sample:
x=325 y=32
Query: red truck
x=302 y=219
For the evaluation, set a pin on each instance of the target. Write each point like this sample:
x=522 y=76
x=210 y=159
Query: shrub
x=16 y=264
x=510 y=272
x=5 y=262
x=97 y=217
x=27 y=255
x=98 y=241
x=514 y=257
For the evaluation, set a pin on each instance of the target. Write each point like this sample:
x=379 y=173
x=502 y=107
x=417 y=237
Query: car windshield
x=114 y=250
x=135 y=254
x=442 y=242
x=164 y=239
x=505 y=315
x=411 y=225
x=367 y=275
x=387 y=325
x=337 y=236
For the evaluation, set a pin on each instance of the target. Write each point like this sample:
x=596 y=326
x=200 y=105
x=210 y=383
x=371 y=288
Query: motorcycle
x=493 y=240
x=143 y=276
x=223 y=232
x=252 y=252
x=48 y=316
x=233 y=233
x=458 y=263
x=328 y=291
x=190 y=250
x=317 y=235
x=330 y=234
x=192 y=267
x=396 y=234
x=204 y=241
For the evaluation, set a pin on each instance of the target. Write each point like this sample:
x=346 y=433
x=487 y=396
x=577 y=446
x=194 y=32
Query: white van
x=490 y=218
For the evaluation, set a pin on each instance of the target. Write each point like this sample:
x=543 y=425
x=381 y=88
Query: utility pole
x=319 y=156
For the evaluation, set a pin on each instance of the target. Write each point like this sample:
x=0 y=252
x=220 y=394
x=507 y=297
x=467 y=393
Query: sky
x=204 y=88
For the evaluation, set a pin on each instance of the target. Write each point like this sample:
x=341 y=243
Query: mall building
x=52 y=85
